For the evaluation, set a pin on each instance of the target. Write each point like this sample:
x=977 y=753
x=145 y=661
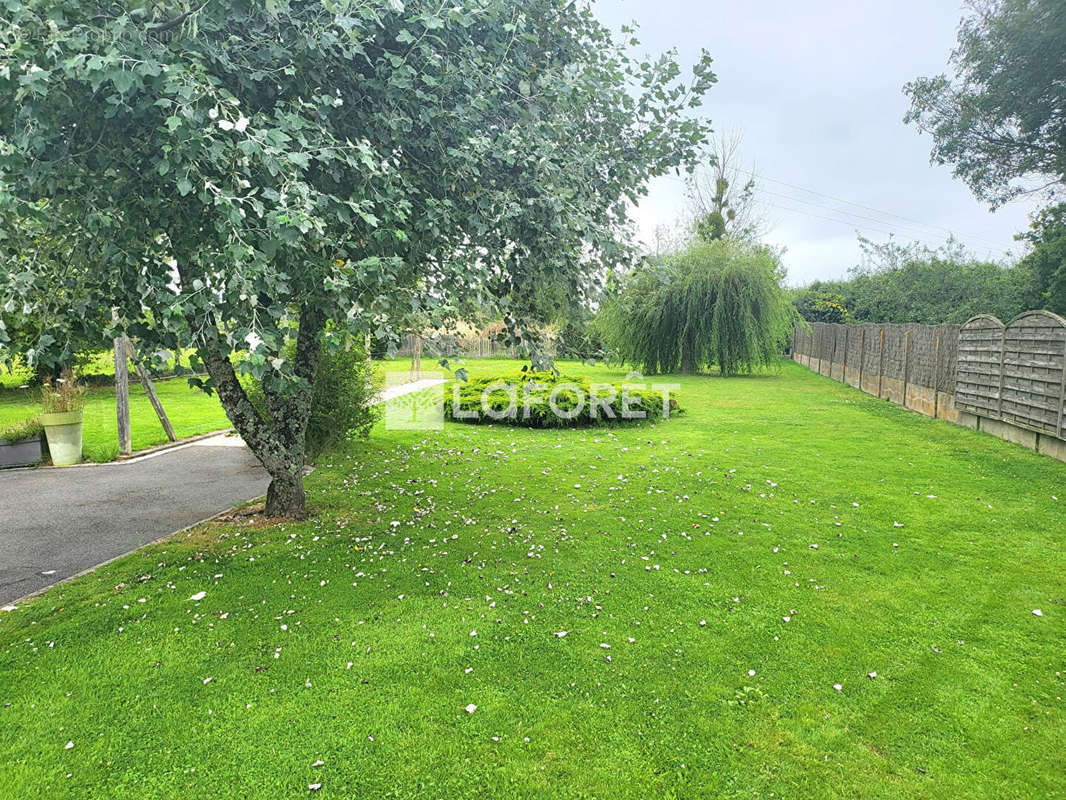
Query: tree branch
x=178 y=21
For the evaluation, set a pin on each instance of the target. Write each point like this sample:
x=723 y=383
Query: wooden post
x=906 y=364
x=416 y=356
x=122 y=396
x=881 y=363
x=149 y=389
x=1062 y=396
x=1002 y=363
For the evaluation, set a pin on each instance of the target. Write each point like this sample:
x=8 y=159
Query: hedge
x=526 y=398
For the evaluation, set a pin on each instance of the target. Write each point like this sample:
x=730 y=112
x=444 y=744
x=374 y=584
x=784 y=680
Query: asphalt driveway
x=55 y=523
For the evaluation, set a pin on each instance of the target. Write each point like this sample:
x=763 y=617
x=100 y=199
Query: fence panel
x=829 y=343
x=1034 y=357
x=980 y=367
x=873 y=339
x=854 y=355
x=836 y=364
x=921 y=359
x=947 y=357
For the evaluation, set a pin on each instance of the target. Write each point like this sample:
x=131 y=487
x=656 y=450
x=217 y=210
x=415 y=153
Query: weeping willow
x=719 y=304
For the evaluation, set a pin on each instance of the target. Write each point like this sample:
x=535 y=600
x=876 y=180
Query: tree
x=670 y=238
x=49 y=265
x=243 y=174
x=821 y=305
x=714 y=304
x=1047 y=260
x=913 y=283
x=1001 y=121
x=721 y=193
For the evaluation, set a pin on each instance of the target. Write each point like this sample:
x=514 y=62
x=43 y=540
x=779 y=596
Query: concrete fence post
x=881 y=363
x=906 y=364
x=1062 y=395
x=936 y=377
x=1002 y=364
x=844 y=363
x=862 y=355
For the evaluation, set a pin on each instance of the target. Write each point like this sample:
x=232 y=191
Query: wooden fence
x=465 y=347
x=1008 y=380
x=911 y=365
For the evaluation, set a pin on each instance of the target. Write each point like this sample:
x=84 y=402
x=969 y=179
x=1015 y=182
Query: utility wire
x=855 y=226
x=835 y=199
x=908 y=230
x=887 y=227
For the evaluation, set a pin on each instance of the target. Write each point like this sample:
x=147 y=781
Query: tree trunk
x=285 y=495
x=277 y=452
x=277 y=436
x=688 y=359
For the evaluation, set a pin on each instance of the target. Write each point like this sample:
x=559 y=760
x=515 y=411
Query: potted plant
x=20 y=445
x=64 y=404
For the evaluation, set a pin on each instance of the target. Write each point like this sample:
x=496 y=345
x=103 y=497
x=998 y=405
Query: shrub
x=525 y=399
x=27 y=429
x=341 y=404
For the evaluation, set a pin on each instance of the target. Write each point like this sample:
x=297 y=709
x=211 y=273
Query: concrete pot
x=64 y=436
x=20 y=452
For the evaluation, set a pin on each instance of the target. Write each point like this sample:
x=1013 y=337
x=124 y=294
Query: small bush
x=27 y=429
x=341 y=406
x=526 y=398
x=341 y=403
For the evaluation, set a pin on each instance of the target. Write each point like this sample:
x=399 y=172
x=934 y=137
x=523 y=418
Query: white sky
x=816 y=89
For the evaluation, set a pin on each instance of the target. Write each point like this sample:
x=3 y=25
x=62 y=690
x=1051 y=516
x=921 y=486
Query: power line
x=915 y=229
x=853 y=225
x=907 y=230
x=862 y=223
x=859 y=227
x=835 y=199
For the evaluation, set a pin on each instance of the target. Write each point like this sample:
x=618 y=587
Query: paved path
x=55 y=523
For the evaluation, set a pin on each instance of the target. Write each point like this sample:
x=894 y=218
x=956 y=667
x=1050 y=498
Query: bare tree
x=670 y=238
x=721 y=193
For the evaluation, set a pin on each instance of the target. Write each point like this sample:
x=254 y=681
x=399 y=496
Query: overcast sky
x=816 y=89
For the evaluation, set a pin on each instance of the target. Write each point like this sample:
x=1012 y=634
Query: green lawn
x=785 y=535
x=191 y=412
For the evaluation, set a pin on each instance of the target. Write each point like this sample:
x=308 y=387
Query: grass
x=191 y=412
x=785 y=535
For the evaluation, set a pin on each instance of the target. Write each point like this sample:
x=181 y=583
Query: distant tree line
x=912 y=283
